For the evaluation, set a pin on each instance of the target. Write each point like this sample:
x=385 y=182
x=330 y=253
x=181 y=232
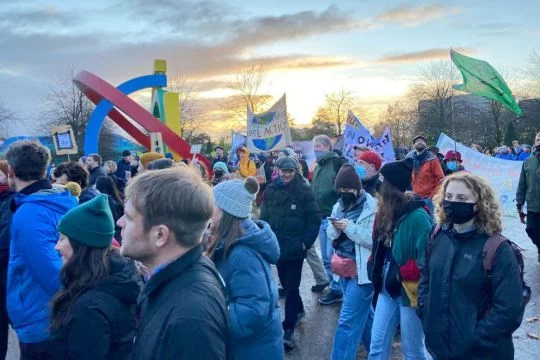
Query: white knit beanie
x=236 y=196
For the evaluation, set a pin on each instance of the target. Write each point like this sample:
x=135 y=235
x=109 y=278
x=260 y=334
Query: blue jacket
x=523 y=156
x=254 y=317
x=506 y=156
x=34 y=264
x=123 y=169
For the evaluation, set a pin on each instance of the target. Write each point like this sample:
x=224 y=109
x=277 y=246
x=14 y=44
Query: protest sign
x=502 y=175
x=268 y=131
x=357 y=134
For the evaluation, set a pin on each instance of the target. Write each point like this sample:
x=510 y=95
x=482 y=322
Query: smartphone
x=333 y=219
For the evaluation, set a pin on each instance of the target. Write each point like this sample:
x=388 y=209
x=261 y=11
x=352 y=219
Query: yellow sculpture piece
x=165 y=104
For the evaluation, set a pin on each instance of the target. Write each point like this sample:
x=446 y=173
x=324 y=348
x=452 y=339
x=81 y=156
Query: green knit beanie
x=90 y=224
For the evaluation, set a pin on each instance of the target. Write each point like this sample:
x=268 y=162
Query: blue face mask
x=361 y=171
x=320 y=154
x=452 y=165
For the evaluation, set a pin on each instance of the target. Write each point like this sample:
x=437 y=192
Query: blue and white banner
x=502 y=175
x=268 y=131
x=357 y=134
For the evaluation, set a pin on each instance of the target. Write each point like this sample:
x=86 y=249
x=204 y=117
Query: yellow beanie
x=148 y=157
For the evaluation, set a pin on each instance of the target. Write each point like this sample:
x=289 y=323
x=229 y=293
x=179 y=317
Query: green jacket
x=324 y=177
x=409 y=241
x=529 y=184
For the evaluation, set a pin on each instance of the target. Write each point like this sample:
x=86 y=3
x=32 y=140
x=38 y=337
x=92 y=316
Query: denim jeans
x=388 y=314
x=355 y=320
x=326 y=253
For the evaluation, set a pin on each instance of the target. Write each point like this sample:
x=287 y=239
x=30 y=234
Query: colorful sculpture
x=108 y=99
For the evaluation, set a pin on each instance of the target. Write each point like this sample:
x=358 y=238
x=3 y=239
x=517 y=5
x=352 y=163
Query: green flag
x=482 y=79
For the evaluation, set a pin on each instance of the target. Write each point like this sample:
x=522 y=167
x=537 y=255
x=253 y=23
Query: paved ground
x=315 y=334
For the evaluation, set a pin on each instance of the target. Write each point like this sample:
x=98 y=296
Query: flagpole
x=452 y=102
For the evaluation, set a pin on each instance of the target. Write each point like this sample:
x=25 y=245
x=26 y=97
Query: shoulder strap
x=435 y=230
x=490 y=249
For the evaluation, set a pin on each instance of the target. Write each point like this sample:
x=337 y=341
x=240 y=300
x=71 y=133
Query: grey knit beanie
x=236 y=196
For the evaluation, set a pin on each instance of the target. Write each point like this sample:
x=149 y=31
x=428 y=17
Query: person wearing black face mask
x=529 y=192
x=221 y=173
x=350 y=229
x=457 y=299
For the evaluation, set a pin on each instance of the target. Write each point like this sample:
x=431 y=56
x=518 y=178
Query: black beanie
x=398 y=173
x=347 y=178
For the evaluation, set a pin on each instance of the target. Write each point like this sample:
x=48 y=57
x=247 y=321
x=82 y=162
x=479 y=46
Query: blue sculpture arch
x=91 y=138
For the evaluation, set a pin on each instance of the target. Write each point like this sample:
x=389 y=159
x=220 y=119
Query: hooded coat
x=408 y=243
x=323 y=180
x=246 y=167
x=103 y=323
x=254 y=317
x=427 y=174
x=34 y=264
x=292 y=213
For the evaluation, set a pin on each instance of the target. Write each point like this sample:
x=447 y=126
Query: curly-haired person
x=468 y=312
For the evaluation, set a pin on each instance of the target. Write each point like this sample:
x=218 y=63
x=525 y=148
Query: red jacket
x=426 y=181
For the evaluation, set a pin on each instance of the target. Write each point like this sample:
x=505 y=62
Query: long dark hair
x=392 y=201
x=86 y=268
x=106 y=185
x=229 y=230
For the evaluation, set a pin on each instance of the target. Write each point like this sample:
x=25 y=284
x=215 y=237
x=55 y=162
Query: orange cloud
x=426 y=55
x=412 y=16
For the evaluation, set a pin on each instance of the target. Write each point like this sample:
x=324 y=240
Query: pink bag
x=343 y=266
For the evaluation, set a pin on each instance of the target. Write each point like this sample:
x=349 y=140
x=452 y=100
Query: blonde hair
x=488 y=213
x=111 y=165
x=74 y=188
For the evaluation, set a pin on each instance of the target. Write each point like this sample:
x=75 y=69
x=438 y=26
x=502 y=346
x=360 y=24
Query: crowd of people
x=152 y=258
x=516 y=152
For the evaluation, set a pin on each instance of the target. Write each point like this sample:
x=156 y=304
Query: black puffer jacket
x=183 y=312
x=293 y=215
x=103 y=322
x=467 y=315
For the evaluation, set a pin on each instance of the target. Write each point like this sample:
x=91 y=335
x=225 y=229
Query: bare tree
x=435 y=91
x=247 y=86
x=67 y=105
x=530 y=76
x=193 y=113
x=335 y=109
x=6 y=117
x=402 y=119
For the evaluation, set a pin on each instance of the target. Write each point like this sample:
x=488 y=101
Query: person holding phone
x=350 y=229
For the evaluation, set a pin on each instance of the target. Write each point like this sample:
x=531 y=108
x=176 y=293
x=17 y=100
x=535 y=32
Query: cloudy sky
x=372 y=47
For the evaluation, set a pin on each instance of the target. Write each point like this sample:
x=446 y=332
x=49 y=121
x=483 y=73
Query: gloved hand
x=521 y=214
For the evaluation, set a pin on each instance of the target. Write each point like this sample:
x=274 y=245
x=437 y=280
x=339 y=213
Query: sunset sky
x=374 y=48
